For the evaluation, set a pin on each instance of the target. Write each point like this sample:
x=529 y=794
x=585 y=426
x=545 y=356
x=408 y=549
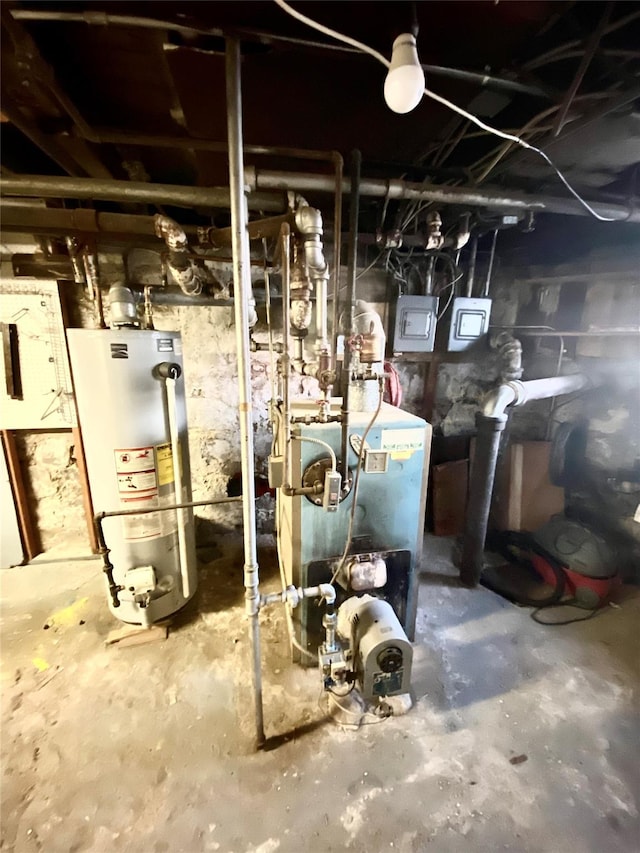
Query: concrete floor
x=522 y=737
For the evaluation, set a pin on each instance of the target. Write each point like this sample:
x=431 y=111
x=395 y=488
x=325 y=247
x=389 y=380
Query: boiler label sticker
x=164 y=457
x=165 y=344
x=402 y=440
x=130 y=460
x=147 y=526
x=137 y=481
x=119 y=351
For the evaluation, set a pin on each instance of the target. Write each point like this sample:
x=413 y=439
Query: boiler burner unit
x=387 y=529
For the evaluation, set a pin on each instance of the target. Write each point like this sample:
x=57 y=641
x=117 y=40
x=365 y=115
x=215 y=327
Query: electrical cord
x=511 y=544
x=356 y=482
x=346 y=693
x=361 y=718
x=327 y=447
x=571 y=603
x=510 y=137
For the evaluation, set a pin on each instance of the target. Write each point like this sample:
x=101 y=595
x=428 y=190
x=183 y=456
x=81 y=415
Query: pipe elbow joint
x=169 y=370
x=172 y=234
x=498 y=399
x=328 y=592
x=308 y=220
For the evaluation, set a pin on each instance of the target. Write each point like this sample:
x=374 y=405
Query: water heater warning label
x=147 y=526
x=138 y=481
x=132 y=459
x=136 y=470
x=164 y=457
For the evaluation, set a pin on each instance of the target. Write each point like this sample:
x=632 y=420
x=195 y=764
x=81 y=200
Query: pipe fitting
x=328 y=592
x=182 y=268
x=498 y=399
x=172 y=233
x=510 y=353
x=308 y=220
x=122 y=307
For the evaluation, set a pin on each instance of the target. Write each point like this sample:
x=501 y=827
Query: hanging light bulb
x=404 y=84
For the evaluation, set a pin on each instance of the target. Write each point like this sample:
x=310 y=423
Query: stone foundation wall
x=211 y=384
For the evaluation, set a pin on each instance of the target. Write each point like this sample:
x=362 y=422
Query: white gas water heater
x=130 y=395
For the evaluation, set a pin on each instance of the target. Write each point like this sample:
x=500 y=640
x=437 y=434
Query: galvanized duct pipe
x=242 y=311
x=36 y=186
x=263 y=182
x=19 y=215
x=491 y=422
x=490 y=197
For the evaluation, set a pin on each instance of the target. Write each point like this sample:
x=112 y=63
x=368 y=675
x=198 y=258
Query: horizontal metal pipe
x=29 y=215
x=266 y=179
x=189 y=143
x=611 y=332
x=36 y=186
x=262 y=182
x=160 y=297
x=486 y=81
x=116 y=513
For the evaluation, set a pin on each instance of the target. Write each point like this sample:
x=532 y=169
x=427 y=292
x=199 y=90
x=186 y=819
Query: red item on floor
x=588 y=591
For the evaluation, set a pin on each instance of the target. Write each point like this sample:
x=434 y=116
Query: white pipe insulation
x=517 y=393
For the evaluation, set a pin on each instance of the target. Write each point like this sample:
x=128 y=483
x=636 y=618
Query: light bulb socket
x=404 y=51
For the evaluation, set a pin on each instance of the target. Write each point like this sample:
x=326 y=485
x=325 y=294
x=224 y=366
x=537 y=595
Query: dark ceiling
x=76 y=93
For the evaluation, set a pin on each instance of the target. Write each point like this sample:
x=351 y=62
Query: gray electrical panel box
x=469 y=321
x=415 y=329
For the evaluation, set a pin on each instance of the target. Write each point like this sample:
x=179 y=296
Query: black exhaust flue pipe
x=483 y=474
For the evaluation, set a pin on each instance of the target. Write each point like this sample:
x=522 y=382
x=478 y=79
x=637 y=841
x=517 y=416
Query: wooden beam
x=28 y=529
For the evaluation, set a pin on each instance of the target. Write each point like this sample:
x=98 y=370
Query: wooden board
x=524 y=497
x=450 y=483
x=28 y=530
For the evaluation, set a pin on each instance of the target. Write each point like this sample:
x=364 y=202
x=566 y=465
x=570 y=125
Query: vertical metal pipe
x=347 y=325
x=285 y=358
x=321 y=313
x=487 y=281
x=337 y=238
x=471 y=274
x=242 y=309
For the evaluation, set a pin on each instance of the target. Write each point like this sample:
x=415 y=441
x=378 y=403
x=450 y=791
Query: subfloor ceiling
x=118 y=89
